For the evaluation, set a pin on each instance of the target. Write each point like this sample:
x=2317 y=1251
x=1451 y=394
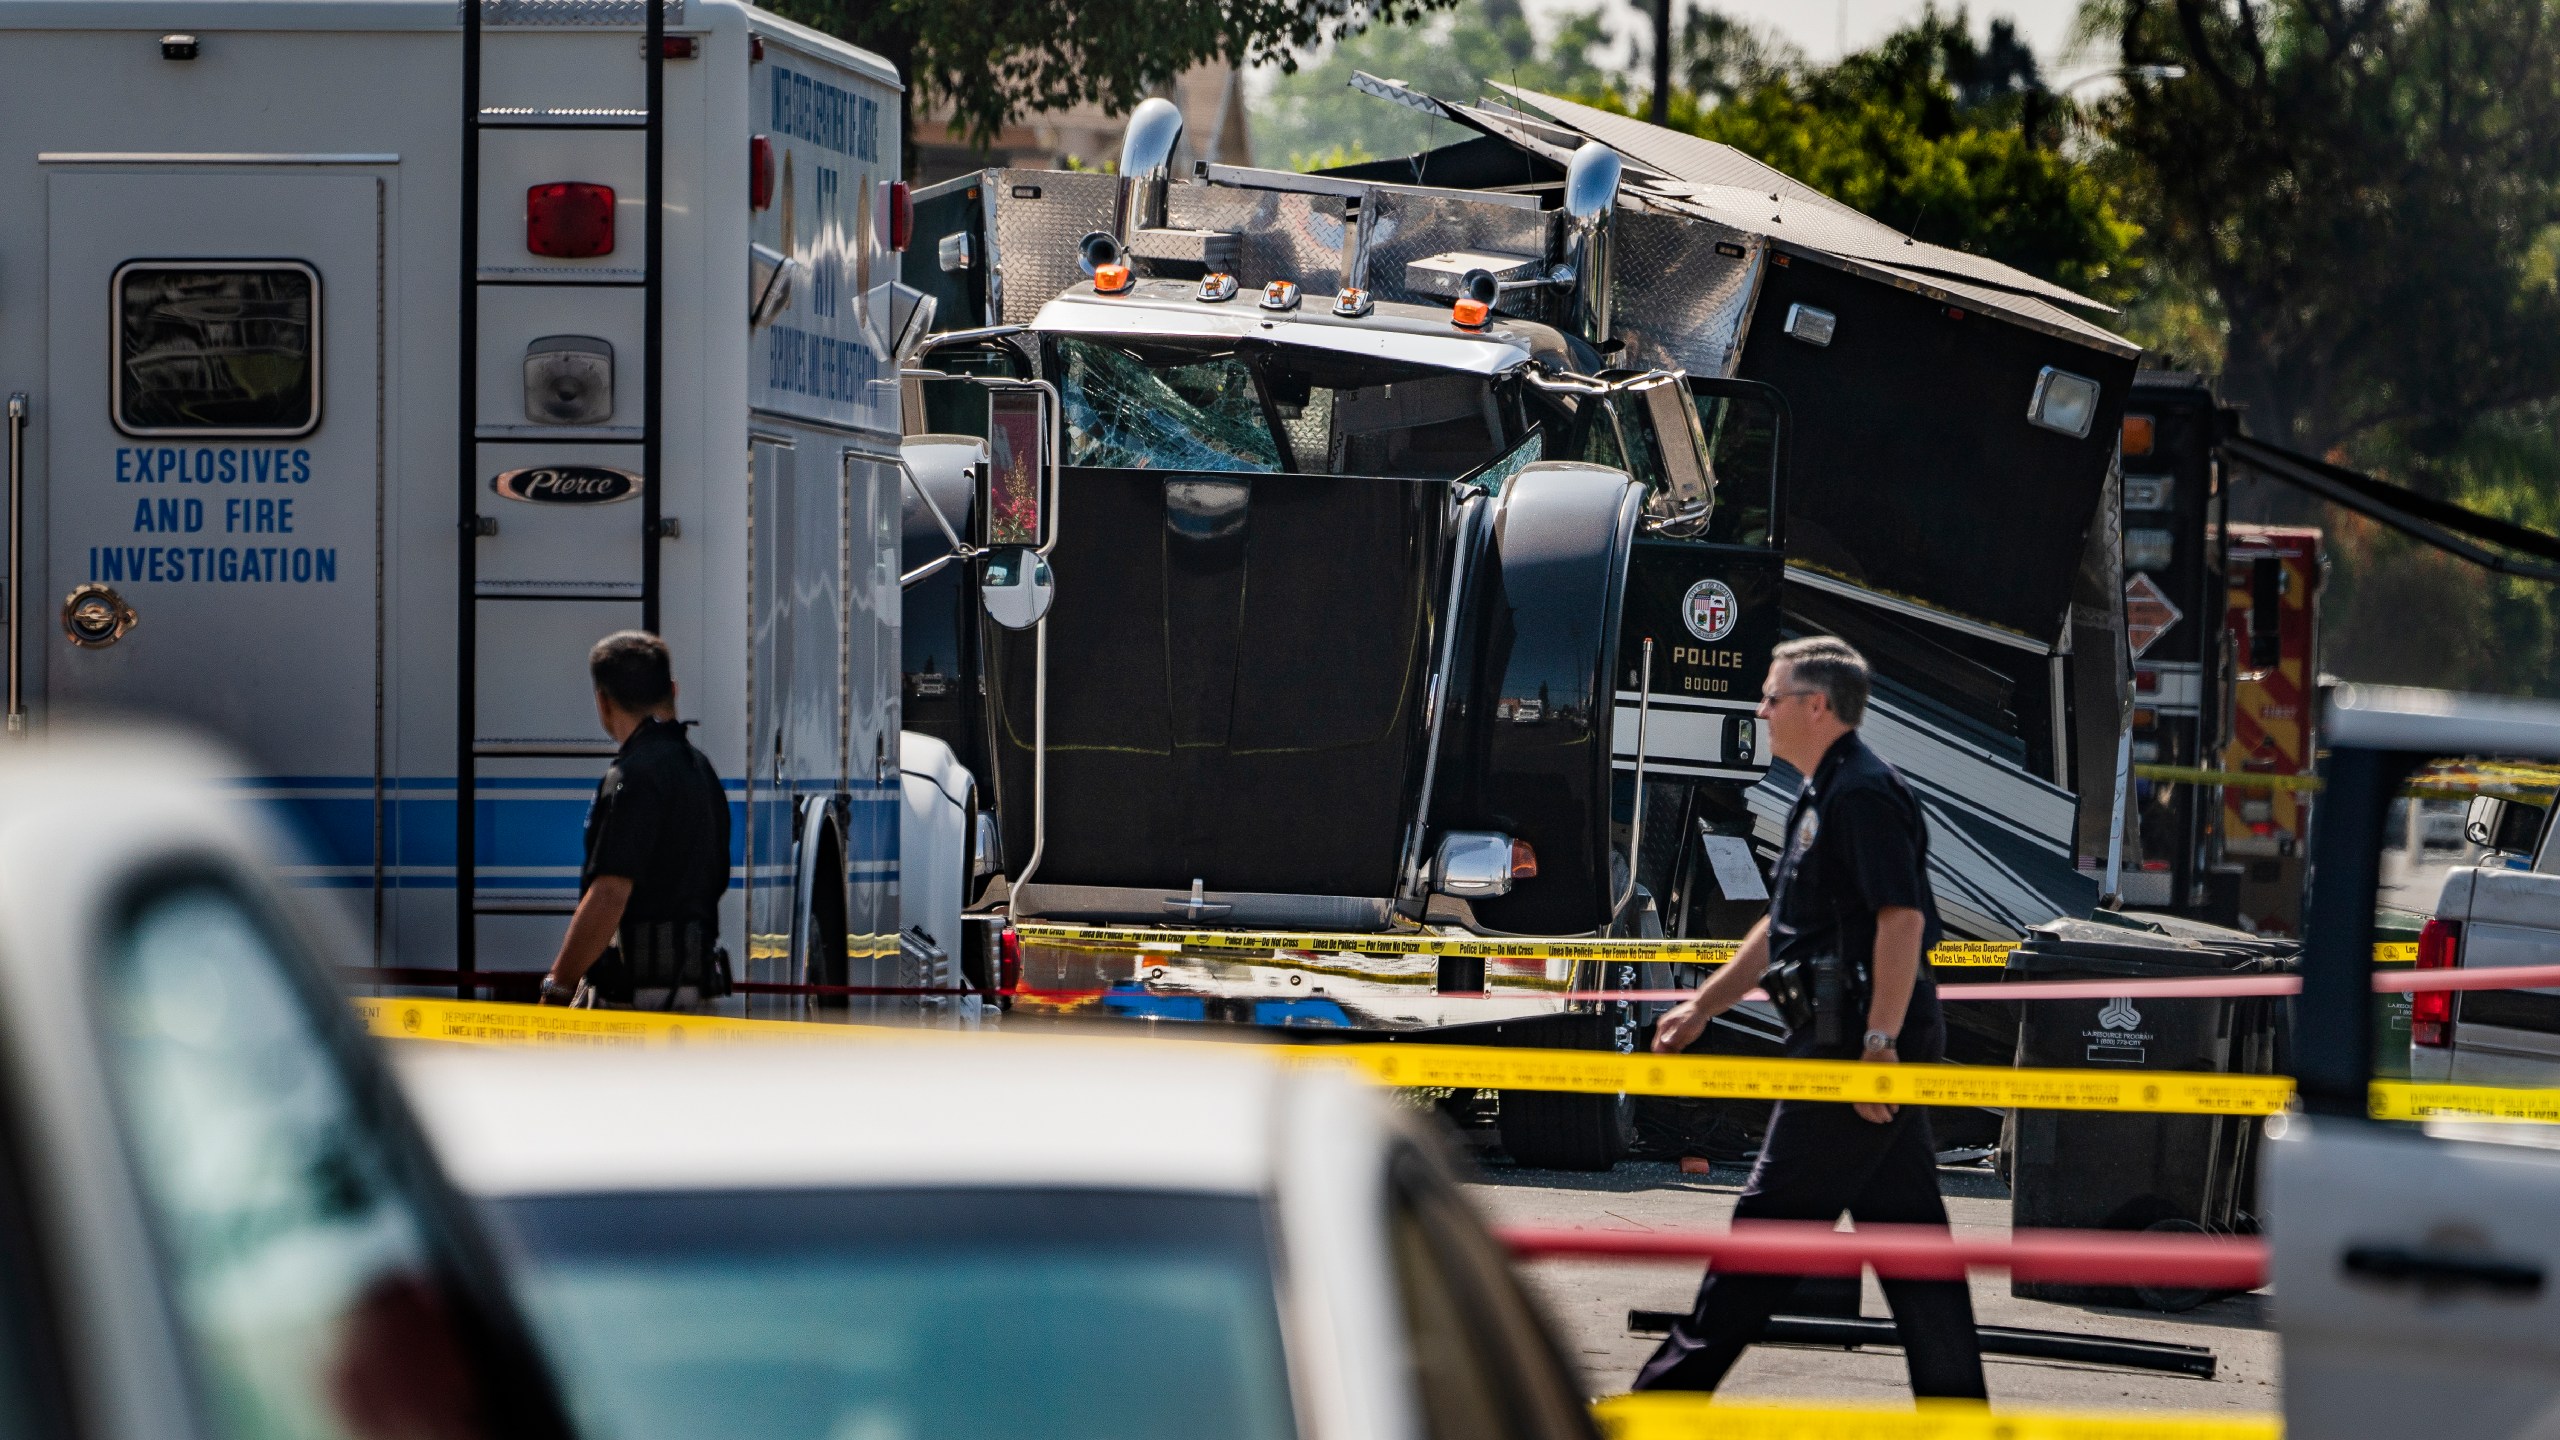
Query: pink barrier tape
x=2238 y=987
x=1920 y=1252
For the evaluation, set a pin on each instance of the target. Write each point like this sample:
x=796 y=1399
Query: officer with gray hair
x=1842 y=953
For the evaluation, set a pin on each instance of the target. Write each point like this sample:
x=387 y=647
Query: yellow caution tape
x=474 y=1022
x=1709 y=952
x=1723 y=1077
x=1469 y=1067
x=2395 y=952
x=2229 y=779
x=2417 y=1100
x=2424 y=787
x=1663 y=1416
x=1485 y=1067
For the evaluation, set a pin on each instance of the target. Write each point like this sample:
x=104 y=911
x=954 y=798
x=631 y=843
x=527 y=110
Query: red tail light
x=759 y=173
x=1008 y=960
x=569 y=220
x=902 y=215
x=674 y=47
x=2431 y=1011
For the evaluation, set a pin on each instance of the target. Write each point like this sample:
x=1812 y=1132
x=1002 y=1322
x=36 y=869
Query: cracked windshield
x=1263 y=409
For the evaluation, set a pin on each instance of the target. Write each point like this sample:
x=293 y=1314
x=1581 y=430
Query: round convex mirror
x=1017 y=588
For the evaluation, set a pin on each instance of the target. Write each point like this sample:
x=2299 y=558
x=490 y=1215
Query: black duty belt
x=663 y=955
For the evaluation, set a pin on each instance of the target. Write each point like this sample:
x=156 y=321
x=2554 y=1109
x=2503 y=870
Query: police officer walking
x=1841 y=954
x=647 y=929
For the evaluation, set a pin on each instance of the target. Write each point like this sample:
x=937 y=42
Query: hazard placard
x=2148 y=615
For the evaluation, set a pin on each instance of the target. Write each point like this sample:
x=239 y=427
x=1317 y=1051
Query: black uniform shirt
x=661 y=820
x=1856 y=843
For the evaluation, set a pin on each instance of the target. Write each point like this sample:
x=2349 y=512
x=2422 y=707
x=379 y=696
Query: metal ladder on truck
x=473 y=480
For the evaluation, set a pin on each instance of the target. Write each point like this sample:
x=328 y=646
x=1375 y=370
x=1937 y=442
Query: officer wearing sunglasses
x=1841 y=954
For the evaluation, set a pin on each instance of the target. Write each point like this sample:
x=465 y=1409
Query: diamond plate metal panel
x=1678 y=302
x=1287 y=235
x=1405 y=227
x=1040 y=217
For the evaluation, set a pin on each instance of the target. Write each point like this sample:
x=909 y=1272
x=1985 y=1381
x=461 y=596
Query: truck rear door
x=212 y=469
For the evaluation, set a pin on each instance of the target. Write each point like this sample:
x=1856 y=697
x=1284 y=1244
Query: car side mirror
x=1685 y=500
x=2509 y=827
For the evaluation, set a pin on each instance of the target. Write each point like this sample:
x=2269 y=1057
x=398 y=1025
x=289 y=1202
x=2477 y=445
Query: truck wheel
x=823 y=927
x=1546 y=1130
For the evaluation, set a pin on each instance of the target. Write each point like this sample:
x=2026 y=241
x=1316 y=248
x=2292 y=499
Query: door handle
x=2430 y=1266
x=17 y=584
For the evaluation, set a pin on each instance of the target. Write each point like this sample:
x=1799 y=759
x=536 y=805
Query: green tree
x=995 y=59
x=1948 y=139
x=2367 y=189
x=1313 y=117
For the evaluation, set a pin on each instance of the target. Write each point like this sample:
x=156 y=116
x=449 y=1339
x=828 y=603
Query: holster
x=1822 y=994
x=663 y=955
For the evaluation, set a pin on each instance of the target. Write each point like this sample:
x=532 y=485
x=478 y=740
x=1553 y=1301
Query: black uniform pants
x=1819 y=1160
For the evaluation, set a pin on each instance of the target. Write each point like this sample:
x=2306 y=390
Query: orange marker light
x=1110 y=279
x=1524 y=861
x=2137 y=434
x=1470 y=314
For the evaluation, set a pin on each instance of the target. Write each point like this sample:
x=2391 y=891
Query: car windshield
x=1264 y=408
x=909 y=1314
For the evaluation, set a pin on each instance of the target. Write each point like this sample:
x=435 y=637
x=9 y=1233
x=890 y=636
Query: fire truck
x=2272 y=625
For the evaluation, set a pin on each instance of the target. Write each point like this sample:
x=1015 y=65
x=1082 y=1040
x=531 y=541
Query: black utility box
x=2100 y=1170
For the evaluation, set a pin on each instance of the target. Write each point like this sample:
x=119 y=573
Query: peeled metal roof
x=1781 y=207
x=1823 y=232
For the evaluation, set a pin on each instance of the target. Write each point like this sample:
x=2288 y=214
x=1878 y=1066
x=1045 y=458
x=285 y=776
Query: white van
x=363 y=386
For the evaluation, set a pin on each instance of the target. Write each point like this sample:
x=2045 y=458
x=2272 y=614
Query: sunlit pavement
x=1589 y=1301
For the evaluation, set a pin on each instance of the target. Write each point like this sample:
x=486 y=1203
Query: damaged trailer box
x=1951 y=495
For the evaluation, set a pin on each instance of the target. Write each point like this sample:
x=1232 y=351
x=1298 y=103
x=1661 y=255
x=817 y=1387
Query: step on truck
x=1292 y=553
x=370 y=361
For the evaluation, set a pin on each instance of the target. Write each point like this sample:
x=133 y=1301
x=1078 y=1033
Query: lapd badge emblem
x=1709 y=610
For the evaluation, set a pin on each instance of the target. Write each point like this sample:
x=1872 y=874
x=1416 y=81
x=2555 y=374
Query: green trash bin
x=2107 y=1170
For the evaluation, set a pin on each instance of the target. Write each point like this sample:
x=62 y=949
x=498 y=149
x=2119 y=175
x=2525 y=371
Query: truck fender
x=1542 y=625
x=938 y=802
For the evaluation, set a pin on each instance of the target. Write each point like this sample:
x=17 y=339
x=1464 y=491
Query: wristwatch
x=555 y=993
x=1879 y=1040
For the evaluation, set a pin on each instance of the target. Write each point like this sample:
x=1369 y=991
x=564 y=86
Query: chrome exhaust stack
x=1146 y=166
x=1590 y=196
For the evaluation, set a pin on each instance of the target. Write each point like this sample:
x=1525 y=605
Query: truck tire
x=1545 y=1130
x=1553 y=1130
x=822 y=929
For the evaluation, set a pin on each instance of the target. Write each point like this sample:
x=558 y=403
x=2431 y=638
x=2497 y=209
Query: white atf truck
x=368 y=361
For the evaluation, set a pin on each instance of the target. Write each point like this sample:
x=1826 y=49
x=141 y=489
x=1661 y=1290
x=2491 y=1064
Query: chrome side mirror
x=1481 y=864
x=1684 y=501
x=770 y=277
x=2509 y=827
x=986 y=851
x=1017 y=588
